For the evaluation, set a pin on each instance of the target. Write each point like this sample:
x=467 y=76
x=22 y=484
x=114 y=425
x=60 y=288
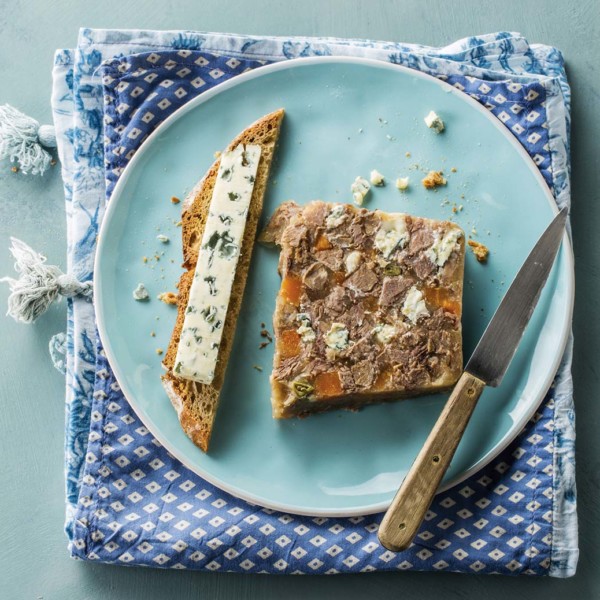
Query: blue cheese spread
x=211 y=287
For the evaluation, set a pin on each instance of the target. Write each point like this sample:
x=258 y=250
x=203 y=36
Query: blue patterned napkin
x=128 y=499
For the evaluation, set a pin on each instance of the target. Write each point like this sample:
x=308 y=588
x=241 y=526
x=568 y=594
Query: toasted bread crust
x=196 y=403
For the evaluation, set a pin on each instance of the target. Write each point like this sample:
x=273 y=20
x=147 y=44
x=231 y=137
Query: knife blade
x=486 y=367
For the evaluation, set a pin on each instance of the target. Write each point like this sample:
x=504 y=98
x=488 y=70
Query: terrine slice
x=369 y=307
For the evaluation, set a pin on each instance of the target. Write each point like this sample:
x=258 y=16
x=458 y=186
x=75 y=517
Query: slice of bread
x=196 y=403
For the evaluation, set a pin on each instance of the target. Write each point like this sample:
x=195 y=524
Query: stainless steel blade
x=501 y=338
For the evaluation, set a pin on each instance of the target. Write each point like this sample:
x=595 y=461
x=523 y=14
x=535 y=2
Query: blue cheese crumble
x=141 y=293
x=392 y=234
x=305 y=330
x=377 y=178
x=433 y=121
x=442 y=247
x=402 y=183
x=414 y=305
x=384 y=333
x=360 y=188
x=337 y=337
x=336 y=216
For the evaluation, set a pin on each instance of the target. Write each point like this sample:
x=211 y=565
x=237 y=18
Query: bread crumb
x=217 y=154
x=163 y=239
x=159 y=351
x=152 y=334
x=453 y=169
x=144 y=259
x=178 y=224
x=168 y=298
x=454 y=209
x=434 y=179
x=263 y=345
x=479 y=250
x=258 y=368
x=175 y=200
x=52 y=163
x=14 y=169
x=407 y=155
x=264 y=333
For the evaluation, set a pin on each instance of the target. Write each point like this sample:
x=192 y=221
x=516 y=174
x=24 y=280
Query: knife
x=487 y=366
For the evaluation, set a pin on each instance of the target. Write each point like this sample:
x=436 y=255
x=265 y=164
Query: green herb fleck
x=233 y=196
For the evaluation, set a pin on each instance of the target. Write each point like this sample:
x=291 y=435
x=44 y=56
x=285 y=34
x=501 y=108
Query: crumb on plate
x=168 y=298
x=434 y=179
x=479 y=250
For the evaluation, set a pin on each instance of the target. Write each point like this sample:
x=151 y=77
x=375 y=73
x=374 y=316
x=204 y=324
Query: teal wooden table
x=33 y=557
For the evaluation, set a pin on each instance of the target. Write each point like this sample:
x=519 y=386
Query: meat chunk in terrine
x=369 y=307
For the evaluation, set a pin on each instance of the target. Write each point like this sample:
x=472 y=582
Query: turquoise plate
x=344 y=117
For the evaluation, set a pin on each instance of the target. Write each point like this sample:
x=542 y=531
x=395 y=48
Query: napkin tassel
x=38 y=284
x=23 y=139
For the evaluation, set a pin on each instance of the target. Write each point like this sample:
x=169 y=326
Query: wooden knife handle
x=403 y=518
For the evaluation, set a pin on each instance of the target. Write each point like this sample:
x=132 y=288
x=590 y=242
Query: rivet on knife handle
x=404 y=516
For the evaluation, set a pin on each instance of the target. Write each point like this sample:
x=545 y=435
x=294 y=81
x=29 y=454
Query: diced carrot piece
x=291 y=289
x=289 y=343
x=322 y=243
x=442 y=297
x=339 y=277
x=382 y=380
x=328 y=384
